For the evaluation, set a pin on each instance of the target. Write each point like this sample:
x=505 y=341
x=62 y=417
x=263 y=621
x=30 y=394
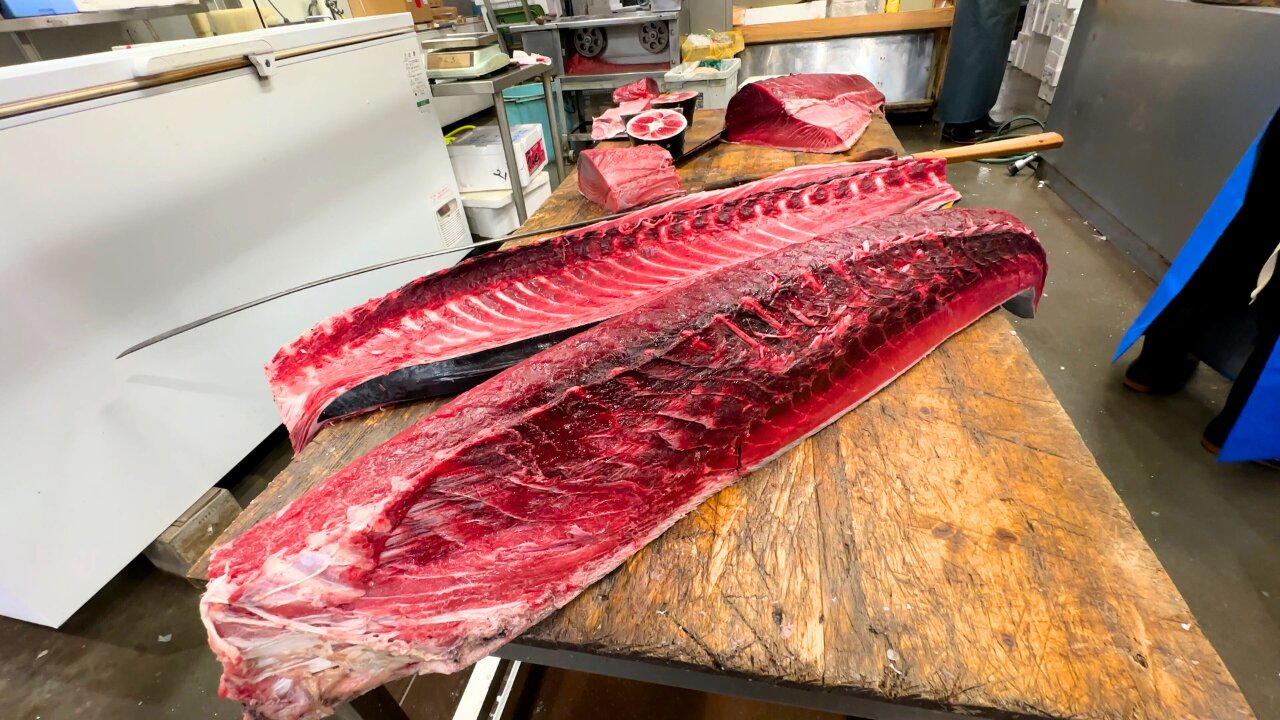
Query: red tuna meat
x=824 y=113
x=640 y=89
x=469 y=527
x=612 y=123
x=582 y=277
x=623 y=178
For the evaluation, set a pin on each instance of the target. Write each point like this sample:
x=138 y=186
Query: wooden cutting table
x=948 y=547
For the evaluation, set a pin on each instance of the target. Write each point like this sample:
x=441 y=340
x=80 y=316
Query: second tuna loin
x=821 y=112
x=466 y=529
x=525 y=294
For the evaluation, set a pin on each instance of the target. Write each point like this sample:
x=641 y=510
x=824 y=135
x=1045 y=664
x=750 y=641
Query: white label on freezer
x=417 y=79
x=452 y=228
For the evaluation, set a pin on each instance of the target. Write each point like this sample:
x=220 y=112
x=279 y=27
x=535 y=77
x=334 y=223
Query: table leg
x=564 y=115
x=377 y=704
x=28 y=50
x=710 y=681
x=553 y=116
x=513 y=169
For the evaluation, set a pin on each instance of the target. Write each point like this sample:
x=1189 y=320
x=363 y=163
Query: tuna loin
x=574 y=280
x=811 y=113
x=466 y=529
x=622 y=178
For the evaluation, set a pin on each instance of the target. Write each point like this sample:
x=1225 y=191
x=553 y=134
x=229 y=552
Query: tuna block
x=623 y=178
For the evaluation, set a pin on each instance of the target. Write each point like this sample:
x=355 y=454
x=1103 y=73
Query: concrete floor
x=137 y=650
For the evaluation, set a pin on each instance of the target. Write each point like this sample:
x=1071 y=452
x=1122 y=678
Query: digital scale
x=464 y=55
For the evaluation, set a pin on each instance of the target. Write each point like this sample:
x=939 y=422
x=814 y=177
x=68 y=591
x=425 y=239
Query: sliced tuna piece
x=613 y=122
x=582 y=277
x=824 y=113
x=623 y=178
x=469 y=527
x=638 y=90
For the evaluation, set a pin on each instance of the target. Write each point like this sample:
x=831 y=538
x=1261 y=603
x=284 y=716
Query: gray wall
x=702 y=15
x=1157 y=102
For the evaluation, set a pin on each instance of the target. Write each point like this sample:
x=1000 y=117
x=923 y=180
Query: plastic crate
x=716 y=87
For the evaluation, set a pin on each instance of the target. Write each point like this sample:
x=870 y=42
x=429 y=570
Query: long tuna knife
x=999 y=148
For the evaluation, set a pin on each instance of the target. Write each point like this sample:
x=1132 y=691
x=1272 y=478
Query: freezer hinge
x=264 y=63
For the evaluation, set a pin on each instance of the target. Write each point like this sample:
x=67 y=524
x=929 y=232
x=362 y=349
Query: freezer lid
x=20 y=83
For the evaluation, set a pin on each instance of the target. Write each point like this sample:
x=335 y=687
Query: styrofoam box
x=1046 y=92
x=1054 y=61
x=492 y=213
x=480 y=164
x=849 y=8
x=816 y=10
x=1033 y=59
x=716 y=86
x=1050 y=75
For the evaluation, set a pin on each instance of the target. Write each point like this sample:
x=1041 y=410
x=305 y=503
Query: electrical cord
x=1007 y=129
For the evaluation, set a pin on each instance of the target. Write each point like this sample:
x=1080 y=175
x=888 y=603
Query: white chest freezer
x=147 y=187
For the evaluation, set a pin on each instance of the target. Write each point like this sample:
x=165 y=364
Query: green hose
x=1006 y=130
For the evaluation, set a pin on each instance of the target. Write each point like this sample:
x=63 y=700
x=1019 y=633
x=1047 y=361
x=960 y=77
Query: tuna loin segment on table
x=622 y=178
x=572 y=281
x=824 y=113
x=461 y=532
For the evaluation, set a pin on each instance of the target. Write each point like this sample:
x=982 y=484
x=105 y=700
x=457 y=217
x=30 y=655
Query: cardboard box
x=420 y=10
x=428 y=11
x=367 y=8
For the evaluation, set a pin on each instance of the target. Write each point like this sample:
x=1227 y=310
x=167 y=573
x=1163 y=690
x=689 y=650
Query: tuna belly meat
x=514 y=300
x=466 y=529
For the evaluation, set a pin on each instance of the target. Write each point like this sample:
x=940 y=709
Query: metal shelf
x=489 y=84
x=53 y=22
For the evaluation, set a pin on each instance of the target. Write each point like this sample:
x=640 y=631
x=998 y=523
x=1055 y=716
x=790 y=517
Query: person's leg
x=1220 y=286
x=1268 y=313
x=980 y=36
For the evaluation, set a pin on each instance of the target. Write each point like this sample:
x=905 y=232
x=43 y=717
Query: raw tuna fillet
x=613 y=123
x=623 y=178
x=469 y=527
x=582 y=277
x=638 y=90
x=811 y=113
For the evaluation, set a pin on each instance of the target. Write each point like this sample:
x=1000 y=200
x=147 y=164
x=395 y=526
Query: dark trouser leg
x=1220 y=286
x=1268 y=309
x=980 y=36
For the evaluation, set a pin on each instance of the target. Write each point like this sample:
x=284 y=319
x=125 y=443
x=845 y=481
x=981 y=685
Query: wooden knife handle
x=996 y=148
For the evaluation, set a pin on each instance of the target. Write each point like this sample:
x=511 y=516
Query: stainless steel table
x=494 y=85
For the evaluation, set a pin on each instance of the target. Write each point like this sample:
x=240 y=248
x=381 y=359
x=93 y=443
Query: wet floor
x=137 y=650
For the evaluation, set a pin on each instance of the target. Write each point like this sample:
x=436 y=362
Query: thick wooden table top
x=949 y=544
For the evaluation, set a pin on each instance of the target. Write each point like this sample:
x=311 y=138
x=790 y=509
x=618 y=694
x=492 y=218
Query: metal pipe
x=508 y=149
x=553 y=120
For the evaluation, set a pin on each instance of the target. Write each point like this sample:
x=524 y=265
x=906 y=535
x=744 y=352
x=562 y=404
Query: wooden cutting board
x=949 y=544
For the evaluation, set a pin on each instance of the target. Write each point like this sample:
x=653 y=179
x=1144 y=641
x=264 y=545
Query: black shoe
x=1215 y=433
x=985 y=122
x=967 y=133
x=1160 y=374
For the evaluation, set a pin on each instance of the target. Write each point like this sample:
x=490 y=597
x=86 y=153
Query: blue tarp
x=1256 y=435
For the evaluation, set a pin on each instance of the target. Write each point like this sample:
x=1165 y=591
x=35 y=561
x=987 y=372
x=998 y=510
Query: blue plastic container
x=34 y=8
x=524 y=105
